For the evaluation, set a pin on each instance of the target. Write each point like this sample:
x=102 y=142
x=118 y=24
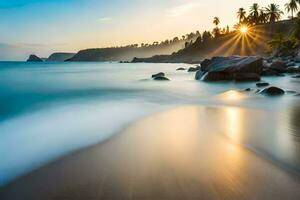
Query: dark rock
x=292 y=70
x=217 y=76
x=193 y=69
x=291 y=64
x=34 y=58
x=272 y=91
x=236 y=64
x=204 y=64
x=270 y=72
x=160 y=74
x=296 y=76
x=232 y=68
x=199 y=75
x=291 y=92
x=247 y=89
x=279 y=66
x=262 y=84
x=297 y=95
x=246 y=77
x=180 y=69
x=160 y=78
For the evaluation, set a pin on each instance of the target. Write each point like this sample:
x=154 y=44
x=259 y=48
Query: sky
x=42 y=27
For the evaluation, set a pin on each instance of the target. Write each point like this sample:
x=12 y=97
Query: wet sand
x=186 y=153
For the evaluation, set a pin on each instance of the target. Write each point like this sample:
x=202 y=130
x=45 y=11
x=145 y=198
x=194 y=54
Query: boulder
x=161 y=78
x=262 y=84
x=180 y=69
x=272 y=91
x=34 y=58
x=231 y=68
x=160 y=74
x=236 y=64
x=291 y=64
x=292 y=70
x=246 y=77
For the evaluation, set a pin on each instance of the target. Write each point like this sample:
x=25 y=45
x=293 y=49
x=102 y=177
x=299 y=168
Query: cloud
x=104 y=19
x=182 y=9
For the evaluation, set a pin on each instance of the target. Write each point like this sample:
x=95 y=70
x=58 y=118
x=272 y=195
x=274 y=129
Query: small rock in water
x=296 y=76
x=161 y=78
x=180 y=69
x=293 y=70
x=193 y=69
x=247 y=89
x=262 y=84
x=272 y=91
x=160 y=74
x=291 y=92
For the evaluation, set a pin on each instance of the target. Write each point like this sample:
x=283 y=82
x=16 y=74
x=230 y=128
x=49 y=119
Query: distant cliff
x=34 y=58
x=59 y=57
x=256 y=43
x=127 y=53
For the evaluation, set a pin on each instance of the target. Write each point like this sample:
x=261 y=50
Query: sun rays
x=243 y=41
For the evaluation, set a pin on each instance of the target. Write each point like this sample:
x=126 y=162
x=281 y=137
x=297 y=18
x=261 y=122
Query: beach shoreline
x=164 y=156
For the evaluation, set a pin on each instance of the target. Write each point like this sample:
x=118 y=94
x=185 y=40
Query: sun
x=244 y=29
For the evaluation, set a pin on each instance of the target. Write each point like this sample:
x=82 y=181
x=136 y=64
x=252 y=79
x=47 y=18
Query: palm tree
x=263 y=18
x=273 y=12
x=216 y=21
x=292 y=7
x=241 y=14
x=254 y=13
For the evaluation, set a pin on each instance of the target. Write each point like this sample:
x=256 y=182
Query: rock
x=292 y=70
x=247 y=89
x=297 y=59
x=291 y=64
x=262 y=84
x=296 y=76
x=272 y=91
x=232 y=68
x=217 y=76
x=193 y=69
x=204 y=64
x=160 y=74
x=180 y=69
x=297 y=95
x=270 y=72
x=279 y=66
x=199 y=75
x=160 y=78
x=236 y=64
x=246 y=77
x=291 y=92
x=60 y=57
x=34 y=58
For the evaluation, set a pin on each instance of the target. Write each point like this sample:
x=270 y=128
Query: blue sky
x=46 y=26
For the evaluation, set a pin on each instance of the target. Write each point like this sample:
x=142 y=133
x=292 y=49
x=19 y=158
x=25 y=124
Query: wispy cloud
x=182 y=9
x=104 y=19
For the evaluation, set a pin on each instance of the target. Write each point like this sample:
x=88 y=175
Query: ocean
x=49 y=110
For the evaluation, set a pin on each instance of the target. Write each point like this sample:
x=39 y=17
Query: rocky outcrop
x=34 y=58
x=231 y=68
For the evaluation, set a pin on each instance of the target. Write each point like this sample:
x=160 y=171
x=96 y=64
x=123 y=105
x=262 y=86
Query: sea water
x=48 y=110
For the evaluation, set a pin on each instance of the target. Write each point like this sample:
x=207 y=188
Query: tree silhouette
x=254 y=14
x=292 y=7
x=241 y=14
x=273 y=12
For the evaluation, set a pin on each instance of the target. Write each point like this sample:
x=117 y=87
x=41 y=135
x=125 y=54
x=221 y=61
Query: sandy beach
x=175 y=154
